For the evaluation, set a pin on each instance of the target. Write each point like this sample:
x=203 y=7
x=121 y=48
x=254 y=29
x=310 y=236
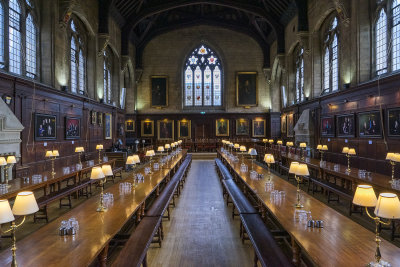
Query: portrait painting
x=246 y=89
x=283 y=123
x=184 y=129
x=369 y=124
x=147 y=128
x=100 y=118
x=393 y=122
x=259 y=127
x=165 y=129
x=94 y=117
x=129 y=125
x=345 y=125
x=242 y=127
x=45 y=127
x=107 y=126
x=72 y=128
x=328 y=126
x=290 y=125
x=222 y=127
x=159 y=91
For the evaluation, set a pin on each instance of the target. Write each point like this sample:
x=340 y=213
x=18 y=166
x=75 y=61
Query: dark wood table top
x=342 y=242
x=376 y=179
x=46 y=247
x=18 y=184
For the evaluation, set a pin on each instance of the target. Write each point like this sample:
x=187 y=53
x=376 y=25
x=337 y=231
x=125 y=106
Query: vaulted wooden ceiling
x=263 y=20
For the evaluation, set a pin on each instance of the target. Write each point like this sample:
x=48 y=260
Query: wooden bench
x=266 y=250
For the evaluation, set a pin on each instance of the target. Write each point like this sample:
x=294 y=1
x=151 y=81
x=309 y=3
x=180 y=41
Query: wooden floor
x=201 y=231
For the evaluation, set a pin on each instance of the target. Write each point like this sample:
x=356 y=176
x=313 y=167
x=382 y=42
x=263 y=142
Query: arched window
x=299 y=80
x=330 y=58
x=77 y=60
x=21 y=36
x=381 y=43
x=107 y=77
x=395 y=35
x=202 y=78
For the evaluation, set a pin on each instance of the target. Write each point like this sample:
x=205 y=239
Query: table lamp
x=387 y=207
x=293 y=170
x=265 y=141
x=167 y=147
x=393 y=158
x=133 y=160
x=52 y=155
x=349 y=152
x=99 y=147
x=302 y=146
x=97 y=174
x=279 y=142
x=79 y=150
x=150 y=154
x=289 y=145
x=107 y=170
x=301 y=170
x=3 y=162
x=243 y=150
x=269 y=159
x=24 y=204
x=252 y=152
x=236 y=147
x=11 y=160
x=322 y=149
x=271 y=141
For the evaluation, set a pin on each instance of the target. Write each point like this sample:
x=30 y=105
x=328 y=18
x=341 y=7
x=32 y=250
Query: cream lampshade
x=236 y=146
x=352 y=151
x=265 y=140
x=293 y=167
x=99 y=147
x=79 y=149
x=107 y=170
x=289 y=143
x=389 y=156
x=302 y=170
x=6 y=214
x=319 y=147
x=388 y=206
x=252 y=152
x=160 y=149
x=271 y=141
x=136 y=159
x=129 y=160
x=303 y=145
x=97 y=173
x=172 y=145
x=268 y=158
x=345 y=150
x=324 y=147
x=49 y=154
x=3 y=161
x=396 y=157
x=55 y=153
x=11 y=160
x=167 y=146
x=279 y=142
x=150 y=153
x=365 y=196
x=242 y=149
x=25 y=203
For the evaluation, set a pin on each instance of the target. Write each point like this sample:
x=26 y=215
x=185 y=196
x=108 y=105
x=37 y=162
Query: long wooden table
x=18 y=184
x=342 y=242
x=46 y=247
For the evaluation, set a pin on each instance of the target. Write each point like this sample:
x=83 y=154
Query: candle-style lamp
x=279 y=142
x=150 y=154
x=52 y=155
x=303 y=147
x=270 y=141
x=236 y=147
x=99 y=148
x=322 y=149
x=167 y=148
x=97 y=174
x=79 y=150
x=3 y=162
x=393 y=158
x=265 y=141
x=386 y=207
x=349 y=152
x=243 y=150
x=160 y=150
x=269 y=159
x=289 y=144
x=24 y=204
x=11 y=160
x=252 y=152
x=133 y=160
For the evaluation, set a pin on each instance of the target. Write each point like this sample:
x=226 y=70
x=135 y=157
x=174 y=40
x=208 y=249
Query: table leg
x=296 y=253
x=103 y=257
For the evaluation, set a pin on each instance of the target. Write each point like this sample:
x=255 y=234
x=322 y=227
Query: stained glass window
x=202 y=78
x=381 y=43
x=78 y=66
x=2 y=60
x=14 y=35
x=331 y=64
x=30 y=48
x=299 y=75
x=107 y=77
x=396 y=35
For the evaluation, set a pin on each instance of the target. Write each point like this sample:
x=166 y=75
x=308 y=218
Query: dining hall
x=196 y=133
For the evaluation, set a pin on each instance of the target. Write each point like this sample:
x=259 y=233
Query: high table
x=46 y=247
x=18 y=184
x=342 y=242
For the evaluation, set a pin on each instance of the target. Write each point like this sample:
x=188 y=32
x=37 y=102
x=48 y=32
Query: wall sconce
x=7 y=99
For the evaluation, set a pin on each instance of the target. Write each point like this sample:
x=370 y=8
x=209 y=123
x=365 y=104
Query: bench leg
x=103 y=257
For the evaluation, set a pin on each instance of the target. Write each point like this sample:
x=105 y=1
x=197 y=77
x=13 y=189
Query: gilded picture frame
x=242 y=126
x=222 y=127
x=165 y=129
x=159 y=91
x=129 y=126
x=147 y=128
x=246 y=89
x=184 y=129
x=258 y=127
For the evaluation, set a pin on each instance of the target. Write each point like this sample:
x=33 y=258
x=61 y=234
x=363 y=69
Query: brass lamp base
x=101 y=209
x=298 y=205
